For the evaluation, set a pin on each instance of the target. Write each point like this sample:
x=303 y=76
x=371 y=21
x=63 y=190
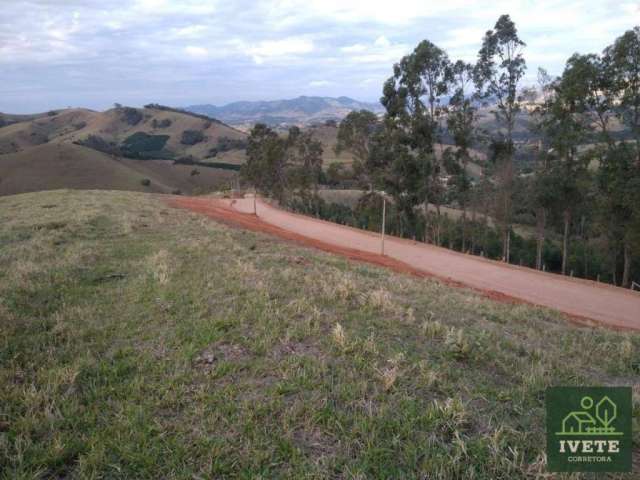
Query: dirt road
x=583 y=300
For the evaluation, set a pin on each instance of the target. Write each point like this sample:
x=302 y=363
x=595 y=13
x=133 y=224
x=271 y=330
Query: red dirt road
x=583 y=300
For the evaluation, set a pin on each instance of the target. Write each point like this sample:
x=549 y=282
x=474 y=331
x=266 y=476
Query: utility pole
x=255 y=210
x=384 y=215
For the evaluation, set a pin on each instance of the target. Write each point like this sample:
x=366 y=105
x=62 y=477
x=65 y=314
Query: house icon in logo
x=581 y=422
x=577 y=422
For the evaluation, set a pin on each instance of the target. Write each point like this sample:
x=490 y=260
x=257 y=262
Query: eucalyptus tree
x=543 y=193
x=624 y=58
x=414 y=100
x=265 y=167
x=619 y=175
x=590 y=78
x=461 y=117
x=355 y=135
x=565 y=127
x=304 y=166
x=498 y=73
x=278 y=166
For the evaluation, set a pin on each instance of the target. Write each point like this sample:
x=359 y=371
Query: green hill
x=140 y=341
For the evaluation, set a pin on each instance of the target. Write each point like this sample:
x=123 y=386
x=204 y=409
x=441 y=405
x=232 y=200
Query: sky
x=93 y=53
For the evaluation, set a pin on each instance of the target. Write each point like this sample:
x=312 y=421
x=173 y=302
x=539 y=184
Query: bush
x=177 y=191
x=145 y=182
x=226 y=144
x=164 y=123
x=186 y=160
x=100 y=144
x=195 y=172
x=52 y=113
x=142 y=145
x=192 y=137
x=130 y=115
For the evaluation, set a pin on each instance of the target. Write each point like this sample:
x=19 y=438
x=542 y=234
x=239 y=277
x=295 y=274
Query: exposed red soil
x=328 y=237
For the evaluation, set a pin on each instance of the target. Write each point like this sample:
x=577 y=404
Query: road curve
x=584 y=300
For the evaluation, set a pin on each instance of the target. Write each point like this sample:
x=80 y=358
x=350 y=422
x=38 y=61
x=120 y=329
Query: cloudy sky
x=92 y=53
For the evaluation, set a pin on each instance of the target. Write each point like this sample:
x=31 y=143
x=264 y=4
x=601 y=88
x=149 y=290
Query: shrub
x=100 y=144
x=142 y=145
x=195 y=172
x=52 y=113
x=177 y=191
x=130 y=115
x=145 y=182
x=191 y=137
x=186 y=160
x=164 y=123
x=225 y=144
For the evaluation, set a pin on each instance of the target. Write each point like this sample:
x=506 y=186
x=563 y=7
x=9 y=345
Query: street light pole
x=384 y=215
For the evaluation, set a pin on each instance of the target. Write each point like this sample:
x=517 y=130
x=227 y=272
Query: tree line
x=583 y=192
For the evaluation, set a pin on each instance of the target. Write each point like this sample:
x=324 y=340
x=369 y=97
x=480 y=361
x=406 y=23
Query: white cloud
x=320 y=83
x=196 y=52
x=381 y=51
x=270 y=49
x=382 y=42
x=175 y=7
x=192 y=31
x=355 y=48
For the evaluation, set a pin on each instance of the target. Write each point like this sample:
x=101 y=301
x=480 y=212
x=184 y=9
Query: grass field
x=139 y=341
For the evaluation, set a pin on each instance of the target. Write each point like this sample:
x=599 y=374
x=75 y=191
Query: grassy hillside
x=65 y=165
x=53 y=151
x=139 y=341
x=116 y=125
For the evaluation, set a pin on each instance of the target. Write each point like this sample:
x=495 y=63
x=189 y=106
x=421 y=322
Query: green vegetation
x=164 y=123
x=580 y=187
x=98 y=143
x=143 y=146
x=286 y=168
x=139 y=341
x=130 y=115
x=191 y=160
x=226 y=144
x=192 y=137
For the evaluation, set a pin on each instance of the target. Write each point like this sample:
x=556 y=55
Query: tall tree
x=304 y=166
x=619 y=173
x=498 y=72
x=460 y=122
x=266 y=162
x=565 y=128
x=355 y=134
x=413 y=98
x=542 y=188
x=279 y=166
x=619 y=184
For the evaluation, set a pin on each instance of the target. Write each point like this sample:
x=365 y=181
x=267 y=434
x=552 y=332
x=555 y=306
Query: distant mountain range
x=297 y=111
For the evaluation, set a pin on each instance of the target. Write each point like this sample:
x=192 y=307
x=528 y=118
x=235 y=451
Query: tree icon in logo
x=606 y=412
x=582 y=422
